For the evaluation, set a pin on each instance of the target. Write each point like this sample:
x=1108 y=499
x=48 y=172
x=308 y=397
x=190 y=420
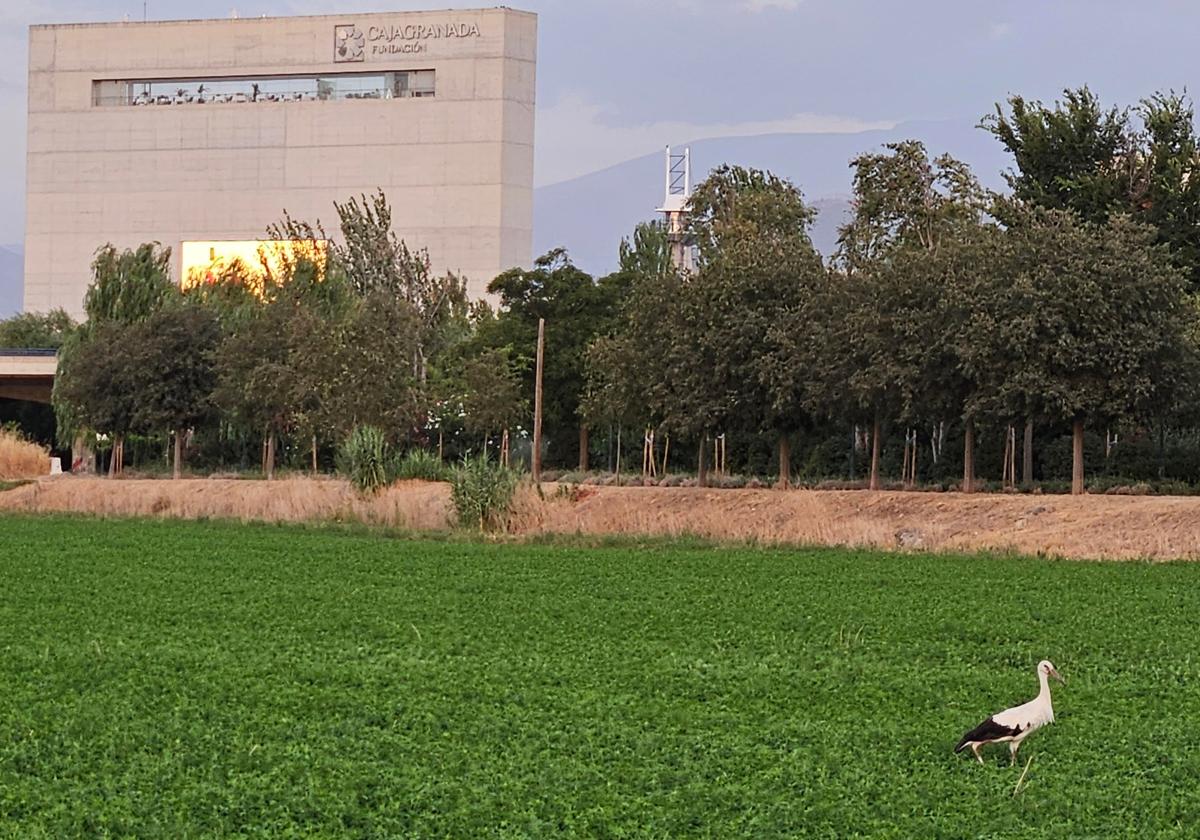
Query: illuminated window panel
x=253 y=262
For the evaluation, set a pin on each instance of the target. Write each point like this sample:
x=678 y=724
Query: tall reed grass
x=21 y=459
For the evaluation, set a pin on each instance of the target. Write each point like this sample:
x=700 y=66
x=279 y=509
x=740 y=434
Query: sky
x=620 y=78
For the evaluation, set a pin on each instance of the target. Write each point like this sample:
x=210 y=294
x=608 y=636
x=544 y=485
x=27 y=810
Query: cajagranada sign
x=353 y=43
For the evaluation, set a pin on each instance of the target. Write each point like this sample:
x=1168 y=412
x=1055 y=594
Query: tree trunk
x=271 y=456
x=440 y=440
x=177 y=470
x=583 y=447
x=1077 y=459
x=1027 y=455
x=314 y=454
x=968 y=485
x=112 y=458
x=875 y=455
x=785 y=462
x=701 y=464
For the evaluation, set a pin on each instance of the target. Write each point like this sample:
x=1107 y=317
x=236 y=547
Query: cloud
x=999 y=31
x=763 y=5
x=752 y=6
x=575 y=137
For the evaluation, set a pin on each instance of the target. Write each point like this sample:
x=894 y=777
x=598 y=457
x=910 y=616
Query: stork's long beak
x=1058 y=676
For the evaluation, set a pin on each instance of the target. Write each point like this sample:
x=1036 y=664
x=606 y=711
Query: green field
x=188 y=679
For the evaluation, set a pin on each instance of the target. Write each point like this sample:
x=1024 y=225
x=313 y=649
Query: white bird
x=1018 y=723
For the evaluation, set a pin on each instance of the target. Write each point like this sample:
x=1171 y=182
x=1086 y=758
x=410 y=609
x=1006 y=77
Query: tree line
x=1064 y=306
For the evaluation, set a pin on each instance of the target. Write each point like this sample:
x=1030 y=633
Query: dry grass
x=1160 y=528
x=410 y=504
x=1087 y=527
x=21 y=459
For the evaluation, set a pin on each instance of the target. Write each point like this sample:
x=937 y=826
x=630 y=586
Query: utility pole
x=537 y=402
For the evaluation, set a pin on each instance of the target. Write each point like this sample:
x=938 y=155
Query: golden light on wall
x=254 y=262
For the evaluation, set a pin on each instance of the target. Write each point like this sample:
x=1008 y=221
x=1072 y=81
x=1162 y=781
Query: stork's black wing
x=989 y=730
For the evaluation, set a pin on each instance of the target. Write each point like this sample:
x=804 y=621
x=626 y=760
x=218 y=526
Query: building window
x=251 y=263
x=399 y=84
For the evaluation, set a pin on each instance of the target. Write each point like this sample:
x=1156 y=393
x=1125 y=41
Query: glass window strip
x=398 y=84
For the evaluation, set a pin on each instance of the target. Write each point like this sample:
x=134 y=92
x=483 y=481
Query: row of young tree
x=1068 y=302
x=1065 y=304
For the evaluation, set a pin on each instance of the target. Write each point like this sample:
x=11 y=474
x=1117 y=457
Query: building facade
x=199 y=134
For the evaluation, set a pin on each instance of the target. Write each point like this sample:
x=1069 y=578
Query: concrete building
x=198 y=134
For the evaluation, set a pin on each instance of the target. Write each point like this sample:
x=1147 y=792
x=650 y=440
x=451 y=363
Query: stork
x=1018 y=723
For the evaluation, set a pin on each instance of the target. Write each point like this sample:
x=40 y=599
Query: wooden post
x=271 y=456
x=618 y=456
x=785 y=462
x=537 y=401
x=666 y=452
x=441 y=434
x=874 y=485
x=1012 y=456
x=583 y=447
x=1077 y=459
x=1027 y=455
x=176 y=469
x=968 y=485
x=1005 y=459
x=314 y=454
x=916 y=450
x=701 y=466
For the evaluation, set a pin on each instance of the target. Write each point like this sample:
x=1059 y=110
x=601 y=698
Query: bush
x=421 y=465
x=363 y=458
x=482 y=493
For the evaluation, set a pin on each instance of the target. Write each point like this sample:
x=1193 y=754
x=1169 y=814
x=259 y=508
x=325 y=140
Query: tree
x=1166 y=190
x=1083 y=323
x=375 y=260
x=1074 y=155
x=172 y=357
x=576 y=309
x=492 y=399
x=128 y=286
x=756 y=270
x=97 y=383
x=261 y=380
x=893 y=322
x=628 y=380
x=368 y=387
x=35 y=330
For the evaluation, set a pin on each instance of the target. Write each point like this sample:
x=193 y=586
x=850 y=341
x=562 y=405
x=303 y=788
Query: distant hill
x=12 y=280
x=589 y=215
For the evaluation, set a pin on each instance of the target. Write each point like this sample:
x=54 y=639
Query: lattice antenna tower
x=678 y=190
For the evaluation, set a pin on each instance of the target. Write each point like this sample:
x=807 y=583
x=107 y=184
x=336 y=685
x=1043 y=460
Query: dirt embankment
x=1084 y=527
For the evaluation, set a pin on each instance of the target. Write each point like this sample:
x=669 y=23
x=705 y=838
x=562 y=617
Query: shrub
x=363 y=459
x=422 y=465
x=482 y=493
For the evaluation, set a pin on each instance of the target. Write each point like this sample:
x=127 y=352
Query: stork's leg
x=1013 y=746
x=975 y=749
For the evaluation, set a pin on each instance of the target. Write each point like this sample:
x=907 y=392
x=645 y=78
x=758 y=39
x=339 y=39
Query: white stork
x=1018 y=723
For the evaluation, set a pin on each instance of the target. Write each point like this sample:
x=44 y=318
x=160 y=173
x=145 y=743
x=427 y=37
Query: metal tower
x=678 y=191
